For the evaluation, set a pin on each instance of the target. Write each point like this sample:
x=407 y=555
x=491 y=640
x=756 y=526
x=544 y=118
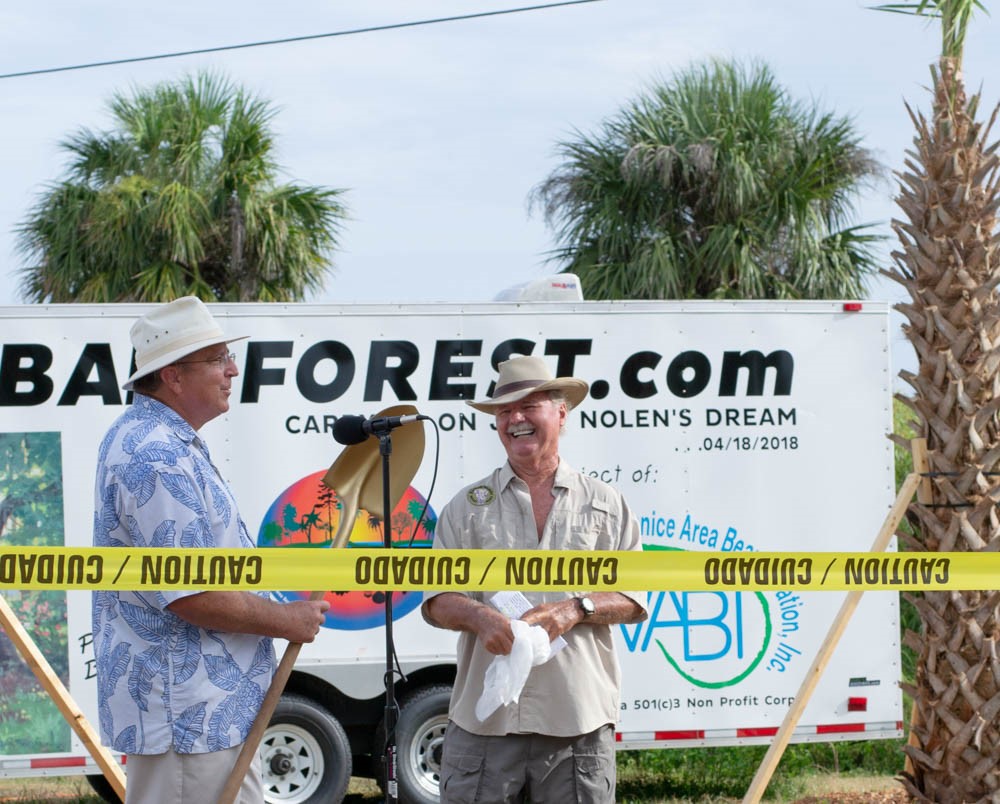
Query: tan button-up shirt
x=577 y=690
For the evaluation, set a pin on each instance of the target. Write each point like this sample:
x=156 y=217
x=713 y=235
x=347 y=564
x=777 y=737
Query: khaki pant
x=173 y=778
x=521 y=768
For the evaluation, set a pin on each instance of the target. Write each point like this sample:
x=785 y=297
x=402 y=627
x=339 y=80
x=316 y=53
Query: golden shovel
x=356 y=477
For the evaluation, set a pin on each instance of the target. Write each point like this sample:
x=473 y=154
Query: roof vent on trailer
x=561 y=287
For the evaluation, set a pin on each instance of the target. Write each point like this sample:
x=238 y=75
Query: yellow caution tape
x=488 y=570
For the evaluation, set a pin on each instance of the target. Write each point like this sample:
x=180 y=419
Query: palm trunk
x=237 y=245
x=950 y=266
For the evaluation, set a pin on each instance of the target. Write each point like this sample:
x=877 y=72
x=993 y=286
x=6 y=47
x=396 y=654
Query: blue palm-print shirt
x=161 y=682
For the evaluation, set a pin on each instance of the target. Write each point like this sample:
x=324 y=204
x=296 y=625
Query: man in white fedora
x=180 y=674
x=556 y=742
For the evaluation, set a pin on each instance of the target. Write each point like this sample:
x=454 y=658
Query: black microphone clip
x=355 y=429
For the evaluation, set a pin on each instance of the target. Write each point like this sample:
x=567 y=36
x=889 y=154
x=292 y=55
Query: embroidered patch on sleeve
x=481 y=495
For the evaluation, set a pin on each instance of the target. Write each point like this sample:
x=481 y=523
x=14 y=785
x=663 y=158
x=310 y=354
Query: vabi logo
x=717 y=639
x=307 y=515
x=712 y=639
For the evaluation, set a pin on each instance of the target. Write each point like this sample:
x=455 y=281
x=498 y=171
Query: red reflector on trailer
x=852 y=307
x=857 y=704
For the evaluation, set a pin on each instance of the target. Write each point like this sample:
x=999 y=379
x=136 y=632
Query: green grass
x=697 y=774
x=644 y=777
x=49 y=790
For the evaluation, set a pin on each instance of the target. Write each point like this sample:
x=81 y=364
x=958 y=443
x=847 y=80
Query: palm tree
x=308 y=521
x=181 y=197
x=327 y=499
x=949 y=264
x=713 y=185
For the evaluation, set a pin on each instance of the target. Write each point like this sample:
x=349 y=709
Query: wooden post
x=47 y=677
x=767 y=766
x=922 y=467
x=925 y=496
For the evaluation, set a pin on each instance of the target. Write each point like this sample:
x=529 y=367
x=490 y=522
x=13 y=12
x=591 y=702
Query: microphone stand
x=391 y=710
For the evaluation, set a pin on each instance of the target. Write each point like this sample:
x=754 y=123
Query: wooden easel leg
x=57 y=691
x=921 y=466
x=767 y=766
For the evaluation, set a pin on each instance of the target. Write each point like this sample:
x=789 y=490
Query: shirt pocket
x=483 y=532
x=591 y=529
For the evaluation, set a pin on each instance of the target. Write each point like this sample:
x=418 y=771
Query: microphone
x=355 y=429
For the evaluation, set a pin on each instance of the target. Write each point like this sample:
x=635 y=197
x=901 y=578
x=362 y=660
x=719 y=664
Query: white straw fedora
x=170 y=332
x=522 y=376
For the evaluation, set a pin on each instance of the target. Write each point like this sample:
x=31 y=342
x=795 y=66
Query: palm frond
x=713 y=184
x=182 y=196
x=955 y=16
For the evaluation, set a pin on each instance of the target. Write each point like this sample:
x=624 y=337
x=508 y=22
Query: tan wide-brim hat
x=522 y=376
x=172 y=331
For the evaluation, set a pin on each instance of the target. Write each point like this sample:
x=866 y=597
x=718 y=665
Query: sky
x=438 y=133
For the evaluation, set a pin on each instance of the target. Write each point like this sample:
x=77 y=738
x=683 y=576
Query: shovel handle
x=263 y=719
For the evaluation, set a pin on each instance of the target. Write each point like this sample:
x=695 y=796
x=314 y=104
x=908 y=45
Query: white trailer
x=729 y=426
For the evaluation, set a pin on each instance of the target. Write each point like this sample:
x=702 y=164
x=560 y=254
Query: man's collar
x=170 y=417
x=563 y=476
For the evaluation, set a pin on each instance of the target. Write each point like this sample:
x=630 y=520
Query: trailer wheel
x=423 y=716
x=305 y=755
x=100 y=785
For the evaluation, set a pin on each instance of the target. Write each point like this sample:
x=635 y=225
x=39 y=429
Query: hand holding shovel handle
x=356 y=477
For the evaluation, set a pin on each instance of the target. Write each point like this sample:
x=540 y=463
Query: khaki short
x=173 y=778
x=520 y=768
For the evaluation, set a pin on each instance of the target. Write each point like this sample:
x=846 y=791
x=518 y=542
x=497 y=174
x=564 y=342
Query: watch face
x=587 y=605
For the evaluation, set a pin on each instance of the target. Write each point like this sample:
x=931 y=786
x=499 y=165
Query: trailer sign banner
x=740 y=433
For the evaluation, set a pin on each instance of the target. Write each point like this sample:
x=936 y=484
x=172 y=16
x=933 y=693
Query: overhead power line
x=306 y=38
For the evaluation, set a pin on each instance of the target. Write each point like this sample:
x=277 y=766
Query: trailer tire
x=100 y=785
x=305 y=754
x=423 y=716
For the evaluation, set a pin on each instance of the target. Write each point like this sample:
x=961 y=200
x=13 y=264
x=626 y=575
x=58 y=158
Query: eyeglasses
x=220 y=361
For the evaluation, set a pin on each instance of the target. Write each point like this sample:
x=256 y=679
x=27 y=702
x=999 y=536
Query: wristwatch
x=586 y=605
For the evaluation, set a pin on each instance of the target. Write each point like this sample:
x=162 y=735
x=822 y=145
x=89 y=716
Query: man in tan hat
x=180 y=674
x=556 y=741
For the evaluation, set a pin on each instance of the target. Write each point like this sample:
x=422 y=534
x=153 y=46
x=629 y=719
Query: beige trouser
x=173 y=778
x=536 y=768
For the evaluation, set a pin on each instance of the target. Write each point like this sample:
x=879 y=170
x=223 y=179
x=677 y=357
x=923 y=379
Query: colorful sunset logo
x=307 y=514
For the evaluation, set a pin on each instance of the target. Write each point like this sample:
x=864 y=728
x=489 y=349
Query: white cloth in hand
x=506 y=675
